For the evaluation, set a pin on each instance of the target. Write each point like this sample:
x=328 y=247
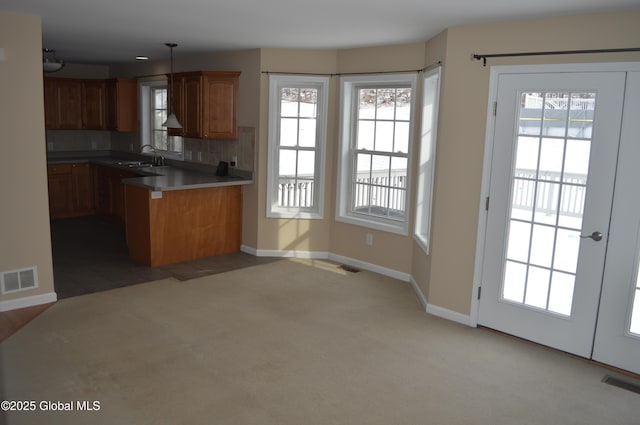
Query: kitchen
x=159 y=211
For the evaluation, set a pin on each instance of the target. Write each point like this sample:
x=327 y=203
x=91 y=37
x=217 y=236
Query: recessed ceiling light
x=142 y=58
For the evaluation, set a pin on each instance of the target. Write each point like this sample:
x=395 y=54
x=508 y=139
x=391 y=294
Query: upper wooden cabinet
x=122 y=104
x=94 y=105
x=206 y=104
x=91 y=104
x=63 y=103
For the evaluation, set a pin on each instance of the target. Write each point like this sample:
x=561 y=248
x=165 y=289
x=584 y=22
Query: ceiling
x=115 y=31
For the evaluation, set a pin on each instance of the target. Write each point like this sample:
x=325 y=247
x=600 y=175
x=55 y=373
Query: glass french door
x=553 y=173
x=617 y=338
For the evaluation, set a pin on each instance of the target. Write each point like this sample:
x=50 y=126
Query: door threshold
x=614 y=369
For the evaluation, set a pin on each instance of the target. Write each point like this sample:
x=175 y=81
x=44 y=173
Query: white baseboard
x=9 y=305
x=445 y=313
x=419 y=294
x=320 y=255
x=405 y=277
x=385 y=271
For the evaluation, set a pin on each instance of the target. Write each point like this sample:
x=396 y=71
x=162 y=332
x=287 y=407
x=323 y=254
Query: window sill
x=399 y=229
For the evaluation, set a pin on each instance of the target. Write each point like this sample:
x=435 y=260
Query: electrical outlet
x=234 y=161
x=199 y=156
x=94 y=144
x=130 y=147
x=50 y=146
x=369 y=239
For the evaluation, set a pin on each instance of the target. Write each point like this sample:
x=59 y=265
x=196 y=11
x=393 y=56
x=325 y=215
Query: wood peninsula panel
x=183 y=224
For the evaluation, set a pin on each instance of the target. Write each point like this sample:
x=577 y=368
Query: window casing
x=426 y=164
x=297 y=140
x=153 y=112
x=374 y=163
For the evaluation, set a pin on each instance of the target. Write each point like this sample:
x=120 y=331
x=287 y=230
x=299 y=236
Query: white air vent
x=19 y=280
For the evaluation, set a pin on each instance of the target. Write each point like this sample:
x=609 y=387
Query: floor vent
x=18 y=280
x=625 y=385
x=349 y=268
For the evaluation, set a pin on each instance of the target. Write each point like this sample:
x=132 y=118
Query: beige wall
x=461 y=147
x=327 y=235
x=24 y=228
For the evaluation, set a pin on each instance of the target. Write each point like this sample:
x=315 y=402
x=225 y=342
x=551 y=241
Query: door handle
x=596 y=236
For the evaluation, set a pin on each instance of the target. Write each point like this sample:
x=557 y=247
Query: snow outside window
x=375 y=151
x=297 y=139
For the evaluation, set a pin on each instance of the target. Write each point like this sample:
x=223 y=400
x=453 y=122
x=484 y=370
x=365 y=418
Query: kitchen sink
x=136 y=164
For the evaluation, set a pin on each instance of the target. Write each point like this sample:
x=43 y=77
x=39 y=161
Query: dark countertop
x=160 y=178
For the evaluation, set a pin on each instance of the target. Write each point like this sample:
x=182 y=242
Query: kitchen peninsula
x=177 y=215
x=171 y=214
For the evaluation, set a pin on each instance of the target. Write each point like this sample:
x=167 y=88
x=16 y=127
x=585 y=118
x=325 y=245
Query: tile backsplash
x=197 y=151
x=78 y=140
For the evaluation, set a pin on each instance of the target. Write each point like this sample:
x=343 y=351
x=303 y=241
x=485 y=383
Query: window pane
x=366 y=107
x=287 y=164
x=581 y=115
x=288 y=132
x=380 y=169
x=308 y=102
x=555 y=114
x=159 y=98
x=561 y=295
x=365 y=135
x=531 y=113
x=384 y=136
x=160 y=116
x=306 y=163
x=537 y=287
x=515 y=277
x=307 y=133
x=386 y=104
x=363 y=165
x=403 y=106
x=289 y=102
x=401 y=140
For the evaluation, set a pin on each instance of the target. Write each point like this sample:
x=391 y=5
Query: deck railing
x=370 y=190
x=571 y=202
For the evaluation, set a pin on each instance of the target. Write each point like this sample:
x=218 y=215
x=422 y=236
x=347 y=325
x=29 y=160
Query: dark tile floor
x=90 y=255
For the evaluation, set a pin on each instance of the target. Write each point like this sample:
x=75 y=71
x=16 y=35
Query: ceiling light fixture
x=172 y=120
x=50 y=63
x=142 y=58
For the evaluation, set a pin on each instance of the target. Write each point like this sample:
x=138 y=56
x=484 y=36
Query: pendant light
x=172 y=120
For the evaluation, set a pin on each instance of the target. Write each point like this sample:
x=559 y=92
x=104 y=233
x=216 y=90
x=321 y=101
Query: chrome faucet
x=154 y=161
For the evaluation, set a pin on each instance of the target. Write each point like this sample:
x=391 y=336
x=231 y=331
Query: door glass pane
x=549 y=182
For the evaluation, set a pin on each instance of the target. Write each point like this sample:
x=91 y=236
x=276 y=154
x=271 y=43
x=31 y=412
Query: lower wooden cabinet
x=109 y=192
x=70 y=190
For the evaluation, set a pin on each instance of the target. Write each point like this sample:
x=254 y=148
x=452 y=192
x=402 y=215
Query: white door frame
x=495 y=72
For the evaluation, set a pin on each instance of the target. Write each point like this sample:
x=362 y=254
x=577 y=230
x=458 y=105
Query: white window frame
x=276 y=83
x=427 y=158
x=346 y=152
x=146 y=121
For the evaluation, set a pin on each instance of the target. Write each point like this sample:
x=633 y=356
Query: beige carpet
x=291 y=342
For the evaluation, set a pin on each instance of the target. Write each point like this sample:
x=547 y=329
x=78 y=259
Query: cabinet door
x=69 y=103
x=122 y=104
x=220 y=106
x=93 y=110
x=50 y=103
x=60 y=194
x=192 y=116
x=82 y=185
